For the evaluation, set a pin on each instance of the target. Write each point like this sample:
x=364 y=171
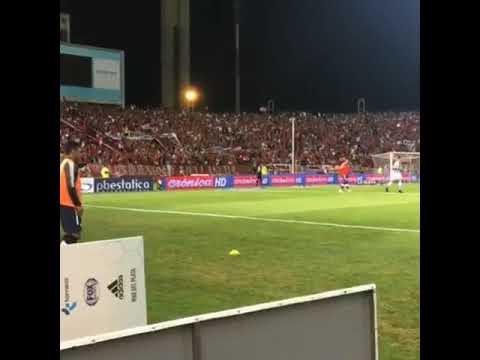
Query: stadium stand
x=156 y=141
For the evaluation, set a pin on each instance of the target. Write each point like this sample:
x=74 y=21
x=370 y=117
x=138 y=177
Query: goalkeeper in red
x=344 y=170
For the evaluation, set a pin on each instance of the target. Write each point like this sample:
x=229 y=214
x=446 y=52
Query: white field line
x=239 y=217
x=354 y=191
x=339 y=194
x=296 y=189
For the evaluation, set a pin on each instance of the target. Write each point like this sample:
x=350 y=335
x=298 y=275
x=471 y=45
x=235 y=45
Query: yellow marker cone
x=234 y=252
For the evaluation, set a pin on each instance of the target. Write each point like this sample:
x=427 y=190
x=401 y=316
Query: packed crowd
x=158 y=137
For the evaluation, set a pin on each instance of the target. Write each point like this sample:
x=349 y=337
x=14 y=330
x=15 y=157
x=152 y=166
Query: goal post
x=409 y=162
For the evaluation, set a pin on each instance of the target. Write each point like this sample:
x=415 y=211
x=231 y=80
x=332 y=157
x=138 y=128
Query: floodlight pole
x=293 y=145
x=236 y=5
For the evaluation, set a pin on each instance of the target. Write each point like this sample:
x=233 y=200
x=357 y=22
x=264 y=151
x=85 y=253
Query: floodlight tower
x=236 y=8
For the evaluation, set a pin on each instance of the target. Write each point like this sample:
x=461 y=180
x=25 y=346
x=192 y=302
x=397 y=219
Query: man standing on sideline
x=259 y=175
x=105 y=172
x=264 y=171
x=71 y=209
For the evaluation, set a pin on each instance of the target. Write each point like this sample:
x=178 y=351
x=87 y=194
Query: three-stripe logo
x=116 y=287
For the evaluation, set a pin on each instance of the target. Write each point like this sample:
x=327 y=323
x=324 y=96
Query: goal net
x=409 y=163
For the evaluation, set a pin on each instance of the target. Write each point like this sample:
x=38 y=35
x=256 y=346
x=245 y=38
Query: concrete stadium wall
x=175 y=50
x=335 y=325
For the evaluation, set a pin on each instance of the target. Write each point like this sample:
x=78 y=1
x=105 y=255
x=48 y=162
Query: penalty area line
x=252 y=218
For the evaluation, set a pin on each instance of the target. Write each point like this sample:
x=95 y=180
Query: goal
x=409 y=163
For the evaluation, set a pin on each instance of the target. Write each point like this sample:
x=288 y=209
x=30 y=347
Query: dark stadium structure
x=317 y=57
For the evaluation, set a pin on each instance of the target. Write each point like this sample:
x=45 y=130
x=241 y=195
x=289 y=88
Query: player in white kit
x=395 y=175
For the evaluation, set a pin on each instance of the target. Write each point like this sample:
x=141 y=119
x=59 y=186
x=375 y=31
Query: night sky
x=317 y=55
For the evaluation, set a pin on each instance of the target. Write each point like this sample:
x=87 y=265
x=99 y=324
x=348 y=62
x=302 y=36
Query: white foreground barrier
x=102 y=287
x=335 y=325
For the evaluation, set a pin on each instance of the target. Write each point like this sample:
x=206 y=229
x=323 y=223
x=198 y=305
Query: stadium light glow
x=191 y=95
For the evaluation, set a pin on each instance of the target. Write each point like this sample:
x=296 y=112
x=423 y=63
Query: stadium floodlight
x=191 y=95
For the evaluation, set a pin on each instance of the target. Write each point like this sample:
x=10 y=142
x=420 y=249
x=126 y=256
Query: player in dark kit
x=343 y=173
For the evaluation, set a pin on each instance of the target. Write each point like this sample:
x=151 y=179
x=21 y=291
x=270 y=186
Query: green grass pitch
x=189 y=272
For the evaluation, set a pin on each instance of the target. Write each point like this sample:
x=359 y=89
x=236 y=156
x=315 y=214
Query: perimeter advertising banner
x=223 y=182
x=244 y=181
x=317 y=180
x=125 y=184
x=172 y=183
x=87 y=185
x=371 y=179
x=102 y=287
x=249 y=181
x=354 y=179
x=283 y=180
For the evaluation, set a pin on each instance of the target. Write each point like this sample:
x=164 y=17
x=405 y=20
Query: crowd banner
x=125 y=184
x=106 y=295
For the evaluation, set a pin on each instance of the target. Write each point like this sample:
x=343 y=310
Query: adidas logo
x=116 y=287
